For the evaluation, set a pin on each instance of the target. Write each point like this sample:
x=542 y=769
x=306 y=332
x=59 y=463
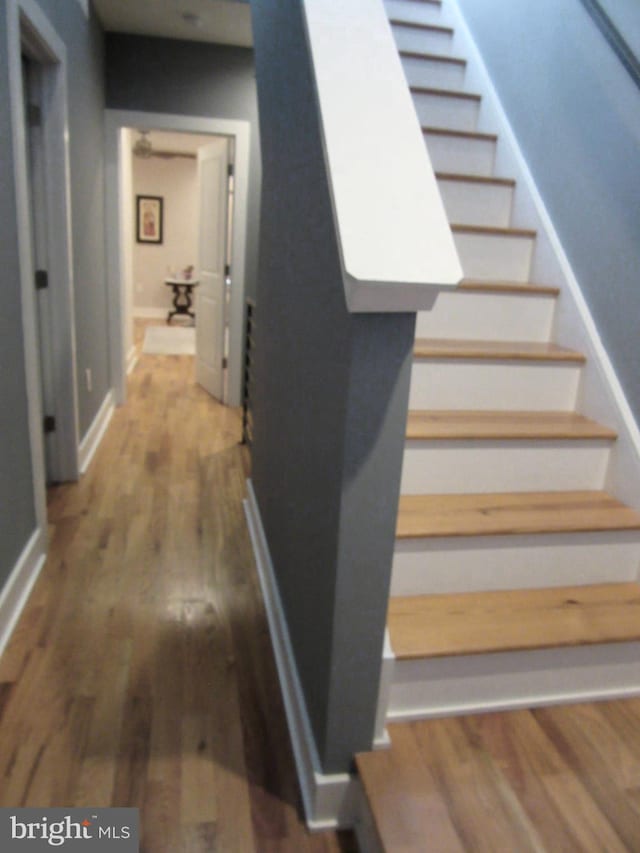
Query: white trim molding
x=396 y=245
x=152 y=312
x=132 y=359
x=96 y=431
x=330 y=800
x=16 y=590
x=115 y=122
x=381 y=737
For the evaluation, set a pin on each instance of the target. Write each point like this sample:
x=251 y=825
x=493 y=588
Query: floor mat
x=169 y=340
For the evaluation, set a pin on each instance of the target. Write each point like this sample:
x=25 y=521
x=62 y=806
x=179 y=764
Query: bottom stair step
x=545 y=780
x=488 y=651
x=513 y=620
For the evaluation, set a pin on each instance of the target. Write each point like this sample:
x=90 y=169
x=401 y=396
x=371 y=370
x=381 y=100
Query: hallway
x=141 y=672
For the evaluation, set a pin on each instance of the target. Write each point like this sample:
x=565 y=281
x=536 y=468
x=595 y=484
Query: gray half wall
x=190 y=78
x=330 y=411
x=17 y=512
x=576 y=114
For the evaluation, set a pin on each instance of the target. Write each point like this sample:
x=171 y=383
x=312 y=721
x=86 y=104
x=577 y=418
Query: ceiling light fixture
x=192 y=19
x=142 y=147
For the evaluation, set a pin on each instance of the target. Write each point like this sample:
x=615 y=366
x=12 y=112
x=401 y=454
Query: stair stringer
x=600 y=394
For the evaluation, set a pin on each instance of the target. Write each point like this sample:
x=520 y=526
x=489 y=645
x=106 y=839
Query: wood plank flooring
x=562 y=778
x=141 y=672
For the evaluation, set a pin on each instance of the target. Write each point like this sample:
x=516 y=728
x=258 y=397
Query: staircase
x=515 y=570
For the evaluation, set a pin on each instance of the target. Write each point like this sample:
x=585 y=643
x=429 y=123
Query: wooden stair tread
x=460 y=424
x=436 y=28
x=459 y=134
x=450 y=348
x=477 y=285
x=491 y=230
x=433 y=57
x=475 y=179
x=408 y=804
x=513 y=620
x=511 y=513
x=445 y=93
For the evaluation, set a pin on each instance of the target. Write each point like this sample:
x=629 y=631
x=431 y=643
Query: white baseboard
x=132 y=359
x=150 y=312
x=15 y=593
x=330 y=800
x=93 y=437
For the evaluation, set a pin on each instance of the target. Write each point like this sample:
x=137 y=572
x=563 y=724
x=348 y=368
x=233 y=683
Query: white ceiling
x=223 y=21
x=186 y=143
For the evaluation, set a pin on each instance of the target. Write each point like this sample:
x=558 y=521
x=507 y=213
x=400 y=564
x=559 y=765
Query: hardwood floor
x=141 y=672
x=548 y=780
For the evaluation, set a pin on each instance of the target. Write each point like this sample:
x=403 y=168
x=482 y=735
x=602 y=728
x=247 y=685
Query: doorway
x=38 y=97
x=239 y=133
x=32 y=78
x=177 y=244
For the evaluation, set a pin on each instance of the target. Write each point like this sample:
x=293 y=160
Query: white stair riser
x=488 y=317
x=423 y=41
x=477 y=203
x=461 y=156
x=477 y=683
x=494 y=256
x=446 y=111
x=428 y=72
x=477 y=384
x=421 y=13
x=457 y=467
x=524 y=561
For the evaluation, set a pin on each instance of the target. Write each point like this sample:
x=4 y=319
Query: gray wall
x=85 y=58
x=83 y=40
x=329 y=414
x=190 y=78
x=17 y=515
x=576 y=114
x=625 y=15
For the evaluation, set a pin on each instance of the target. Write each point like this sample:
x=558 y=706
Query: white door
x=210 y=301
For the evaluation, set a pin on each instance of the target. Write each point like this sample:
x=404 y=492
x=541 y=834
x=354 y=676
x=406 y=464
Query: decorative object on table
x=149 y=215
x=182 y=296
x=171 y=340
x=187 y=272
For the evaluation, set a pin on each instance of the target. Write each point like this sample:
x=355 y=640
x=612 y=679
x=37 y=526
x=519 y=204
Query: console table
x=182 y=296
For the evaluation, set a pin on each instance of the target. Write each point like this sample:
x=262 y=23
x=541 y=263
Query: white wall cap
x=391 y=223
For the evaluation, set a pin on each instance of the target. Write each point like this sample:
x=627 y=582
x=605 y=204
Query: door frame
x=117 y=120
x=28 y=27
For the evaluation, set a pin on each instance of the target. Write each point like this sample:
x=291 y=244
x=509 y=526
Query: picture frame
x=149 y=218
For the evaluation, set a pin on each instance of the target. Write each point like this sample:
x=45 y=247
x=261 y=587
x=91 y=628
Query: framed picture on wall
x=149 y=218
